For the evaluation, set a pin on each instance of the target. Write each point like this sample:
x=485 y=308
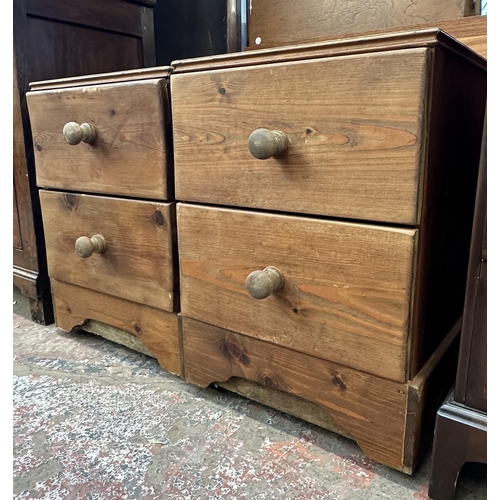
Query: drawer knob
x=264 y=143
x=261 y=284
x=74 y=133
x=85 y=247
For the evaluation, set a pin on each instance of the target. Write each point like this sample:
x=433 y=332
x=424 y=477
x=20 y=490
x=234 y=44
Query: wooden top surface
x=429 y=37
x=114 y=77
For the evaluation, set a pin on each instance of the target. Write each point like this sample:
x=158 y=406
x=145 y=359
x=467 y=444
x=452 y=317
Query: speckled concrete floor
x=95 y=420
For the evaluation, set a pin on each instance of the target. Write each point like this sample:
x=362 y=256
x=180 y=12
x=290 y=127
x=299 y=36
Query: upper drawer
x=129 y=154
x=346 y=293
x=354 y=128
x=135 y=262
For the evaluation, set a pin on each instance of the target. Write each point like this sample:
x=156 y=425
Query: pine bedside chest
x=103 y=156
x=319 y=228
x=326 y=199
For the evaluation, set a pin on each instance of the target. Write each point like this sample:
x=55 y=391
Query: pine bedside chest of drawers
x=320 y=225
x=326 y=199
x=103 y=156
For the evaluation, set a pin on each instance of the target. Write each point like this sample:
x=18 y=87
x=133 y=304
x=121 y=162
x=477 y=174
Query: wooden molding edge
x=427 y=37
x=426 y=393
x=103 y=78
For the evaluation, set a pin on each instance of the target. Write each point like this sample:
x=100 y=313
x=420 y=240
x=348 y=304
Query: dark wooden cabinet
x=461 y=424
x=56 y=39
x=471 y=383
x=193 y=28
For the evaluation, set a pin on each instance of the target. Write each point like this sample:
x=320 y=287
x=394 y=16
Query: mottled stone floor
x=95 y=420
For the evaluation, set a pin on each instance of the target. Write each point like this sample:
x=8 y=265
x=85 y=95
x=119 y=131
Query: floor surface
x=95 y=420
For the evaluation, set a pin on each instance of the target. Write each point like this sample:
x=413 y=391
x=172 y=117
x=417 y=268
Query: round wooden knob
x=85 y=247
x=264 y=143
x=74 y=133
x=261 y=284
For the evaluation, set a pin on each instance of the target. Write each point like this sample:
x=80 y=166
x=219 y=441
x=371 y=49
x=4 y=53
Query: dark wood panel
x=449 y=187
x=113 y=15
x=460 y=436
x=27 y=257
x=471 y=376
x=148 y=37
x=65 y=50
x=190 y=28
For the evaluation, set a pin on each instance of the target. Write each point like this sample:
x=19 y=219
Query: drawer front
x=369 y=409
x=347 y=289
x=128 y=155
x=354 y=128
x=148 y=327
x=136 y=263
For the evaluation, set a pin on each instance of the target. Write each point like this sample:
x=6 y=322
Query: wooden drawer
x=348 y=288
x=130 y=152
x=136 y=264
x=355 y=127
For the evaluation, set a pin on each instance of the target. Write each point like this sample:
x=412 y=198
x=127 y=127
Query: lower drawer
x=391 y=421
x=346 y=291
x=135 y=261
x=137 y=326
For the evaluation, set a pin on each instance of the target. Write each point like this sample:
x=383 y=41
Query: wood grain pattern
x=156 y=329
x=370 y=409
x=130 y=154
x=137 y=263
x=347 y=292
x=354 y=126
x=283 y=22
x=392 y=422
x=471 y=31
